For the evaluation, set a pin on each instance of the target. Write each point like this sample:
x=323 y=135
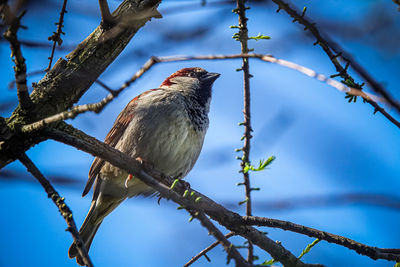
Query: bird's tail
x=99 y=209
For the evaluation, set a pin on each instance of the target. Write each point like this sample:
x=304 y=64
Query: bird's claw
x=184 y=184
x=130 y=177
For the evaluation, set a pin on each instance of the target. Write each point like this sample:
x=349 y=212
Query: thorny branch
x=228 y=246
x=62 y=207
x=20 y=67
x=160 y=183
x=56 y=37
x=243 y=37
x=97 y=107
x=204 y=251
x=334 y=51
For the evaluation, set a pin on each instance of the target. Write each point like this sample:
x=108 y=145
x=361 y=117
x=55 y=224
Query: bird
x=163 y=127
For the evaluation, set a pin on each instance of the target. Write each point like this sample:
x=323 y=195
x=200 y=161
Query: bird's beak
x=210 y=77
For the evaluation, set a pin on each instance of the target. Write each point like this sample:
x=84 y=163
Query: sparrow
x=163 y=127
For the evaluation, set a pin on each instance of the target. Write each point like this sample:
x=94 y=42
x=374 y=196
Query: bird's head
x=192 y=81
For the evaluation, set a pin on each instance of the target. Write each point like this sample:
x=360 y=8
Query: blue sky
x=324 y=146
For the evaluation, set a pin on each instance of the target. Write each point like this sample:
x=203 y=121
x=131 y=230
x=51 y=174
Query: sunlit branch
x=334 y=51
x=98 y=107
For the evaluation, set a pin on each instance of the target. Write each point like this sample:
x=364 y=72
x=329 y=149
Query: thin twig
x=243 y=37
x=99 y=106
x=372 y=252
x=228 y=246
x=56 y=37
x=20 y=67
x=62 y=207
x=204 y=251
x=106 y=18
x=162 y=184
x=333 y=51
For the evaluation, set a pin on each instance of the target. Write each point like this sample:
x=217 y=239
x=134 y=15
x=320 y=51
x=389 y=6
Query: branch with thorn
x=56 y=37
x=204 y=251
x=334 y=51
x=243 y=37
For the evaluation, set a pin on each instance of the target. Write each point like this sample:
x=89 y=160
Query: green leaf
x=261 y=166
x=269 y=262
x=260 y=37
x=397 y=264
x=308 y=248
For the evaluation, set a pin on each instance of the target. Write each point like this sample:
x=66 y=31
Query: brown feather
x=112 y=138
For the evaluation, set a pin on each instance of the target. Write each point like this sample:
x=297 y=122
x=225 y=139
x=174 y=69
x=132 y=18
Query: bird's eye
x=192 y=74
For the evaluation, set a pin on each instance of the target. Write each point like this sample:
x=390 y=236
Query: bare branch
x=372 y=252
x=228 y=246
x=20 y=67
x=56 y=37
x=62 y=207
x=204 y=251
x=243 y=37
x=98 y=107
x=82 y=141
x=106 y=18
x=330 y=47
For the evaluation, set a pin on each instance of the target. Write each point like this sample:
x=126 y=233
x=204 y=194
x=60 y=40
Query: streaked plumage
x=164 y=127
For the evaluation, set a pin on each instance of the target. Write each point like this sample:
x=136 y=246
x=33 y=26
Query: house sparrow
x=165 y=127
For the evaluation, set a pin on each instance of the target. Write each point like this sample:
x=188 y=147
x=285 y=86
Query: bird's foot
x=184 y=184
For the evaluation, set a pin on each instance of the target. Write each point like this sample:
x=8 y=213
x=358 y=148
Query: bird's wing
x=112 y=138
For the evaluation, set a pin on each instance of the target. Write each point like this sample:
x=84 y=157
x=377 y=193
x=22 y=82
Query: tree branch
x=82 y=141
x=372 y=252
x=62 y=207
x=106 y=18
x=69 y=79
x=204 y=251
x=99 y=106
x=231 y=220
x=330 y=47
x=228 y=246
x=243 y=37
x=20 y=67
x=56 y=37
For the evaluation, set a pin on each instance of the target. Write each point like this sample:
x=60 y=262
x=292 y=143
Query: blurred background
x=337 y=165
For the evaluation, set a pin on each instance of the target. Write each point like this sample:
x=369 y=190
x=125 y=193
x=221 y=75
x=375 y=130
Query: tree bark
x=70 y=78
